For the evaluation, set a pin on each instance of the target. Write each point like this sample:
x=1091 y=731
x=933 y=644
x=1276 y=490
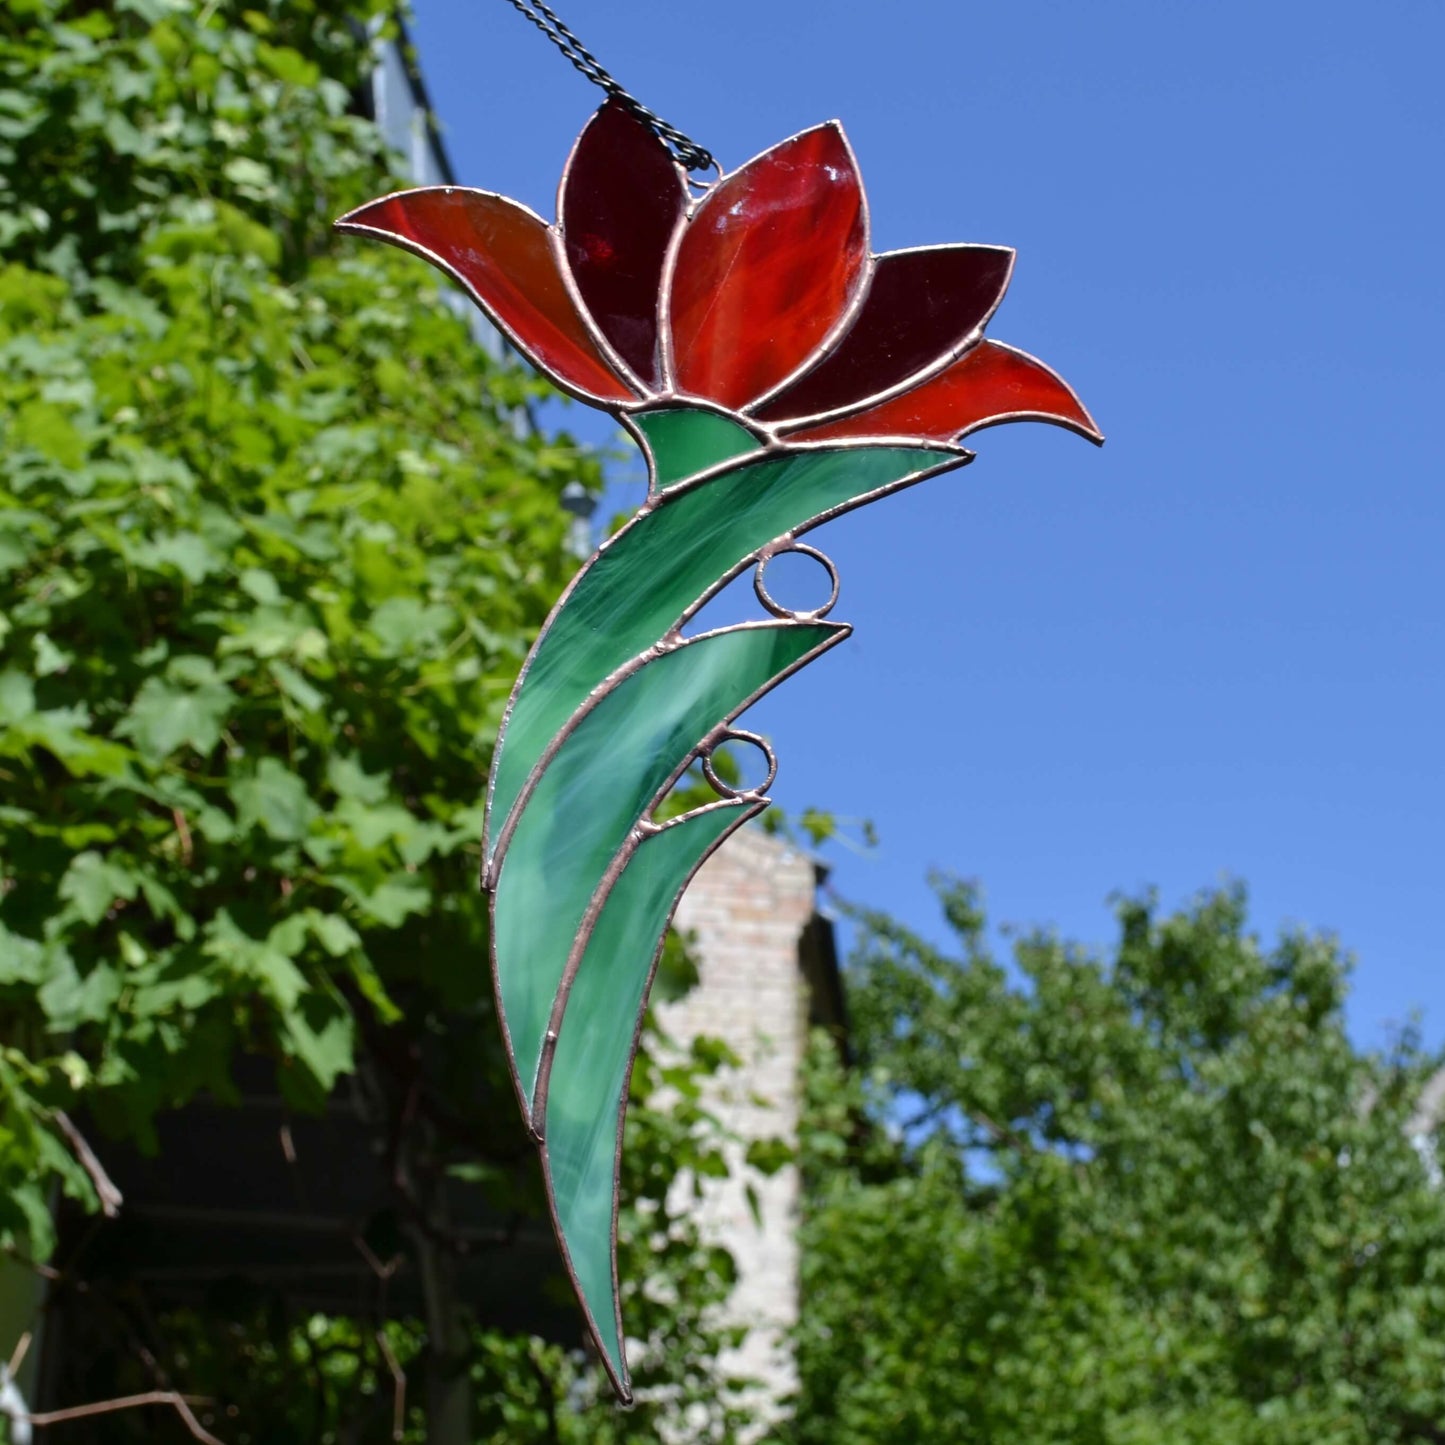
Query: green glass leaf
x=601 y=781
x=588 y=1086
x=684 y=441
x=642 y=582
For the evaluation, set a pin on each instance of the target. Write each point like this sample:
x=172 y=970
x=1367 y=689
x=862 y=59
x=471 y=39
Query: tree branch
x=45 y=1271
x=110 y=1197
x=17 y=1357
x=180 y=1403
x=398 y=1380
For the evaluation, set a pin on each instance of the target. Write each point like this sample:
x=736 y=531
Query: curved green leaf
x=587 y=1091
x=598 y=785
x=676 y=552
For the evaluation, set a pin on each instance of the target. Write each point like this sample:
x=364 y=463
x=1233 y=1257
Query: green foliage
x=1156 y=1199
x=272 y=549
x=272 y=553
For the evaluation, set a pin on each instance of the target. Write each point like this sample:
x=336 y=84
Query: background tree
x=272 y=548
x=1154 y=1199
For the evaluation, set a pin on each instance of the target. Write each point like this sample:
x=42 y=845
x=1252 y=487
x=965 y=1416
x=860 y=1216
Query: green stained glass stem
x=612 y=708
x=683 y=441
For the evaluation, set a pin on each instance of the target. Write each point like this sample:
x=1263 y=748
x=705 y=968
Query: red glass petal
x=766 y=268
x=921 y=307
x=622 y=197
x=991 y=383
x=503 y=255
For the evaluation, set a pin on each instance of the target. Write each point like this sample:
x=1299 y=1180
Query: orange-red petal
x=622 y=197
x=922 y=307
x=766 y=267
x=988 y=384
x=504 y=256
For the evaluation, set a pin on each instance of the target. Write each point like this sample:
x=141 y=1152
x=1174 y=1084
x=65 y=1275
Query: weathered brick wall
x=747 y=909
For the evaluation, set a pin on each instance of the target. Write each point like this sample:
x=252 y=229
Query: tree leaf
x=275 y=800
x=91 y=884
x=320 y=1035
x=165 y=717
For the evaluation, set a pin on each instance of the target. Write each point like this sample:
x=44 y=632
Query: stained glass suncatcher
x=775 y=374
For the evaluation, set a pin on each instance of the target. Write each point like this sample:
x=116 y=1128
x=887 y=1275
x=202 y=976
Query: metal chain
x=690 y=155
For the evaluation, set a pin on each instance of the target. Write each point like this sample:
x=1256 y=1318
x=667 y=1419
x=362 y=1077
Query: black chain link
x=689 y=154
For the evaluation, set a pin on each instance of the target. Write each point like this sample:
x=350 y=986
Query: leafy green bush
x=1154 y=1199
x=273 y=548
x=273 y=551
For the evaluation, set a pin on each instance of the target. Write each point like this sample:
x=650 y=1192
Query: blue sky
x=1212 y=649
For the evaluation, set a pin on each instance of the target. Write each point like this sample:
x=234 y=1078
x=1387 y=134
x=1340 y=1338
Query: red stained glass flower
x=760 y=297
x=776 y=373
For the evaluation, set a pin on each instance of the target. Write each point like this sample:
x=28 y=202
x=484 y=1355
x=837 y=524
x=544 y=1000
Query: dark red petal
x=766 y=268
x=991 y=383
x=921 y=308
x=622 y=197
x=504 y=256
